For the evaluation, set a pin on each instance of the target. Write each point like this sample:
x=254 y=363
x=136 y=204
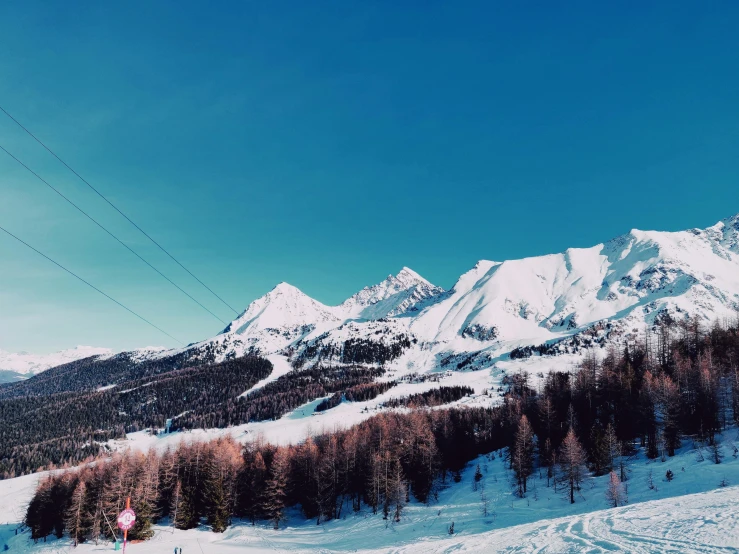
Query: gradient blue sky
x=328 y=144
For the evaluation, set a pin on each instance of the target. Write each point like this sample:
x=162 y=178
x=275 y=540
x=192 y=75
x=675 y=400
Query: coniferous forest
x=69 y=427
x=681 y=384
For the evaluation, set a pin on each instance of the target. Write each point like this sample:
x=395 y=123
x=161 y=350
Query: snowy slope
x=24 y=364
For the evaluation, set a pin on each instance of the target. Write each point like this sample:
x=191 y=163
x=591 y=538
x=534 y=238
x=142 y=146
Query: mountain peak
x=726 y=233
x=395 y=295
x=285 y=288
x=407 y=275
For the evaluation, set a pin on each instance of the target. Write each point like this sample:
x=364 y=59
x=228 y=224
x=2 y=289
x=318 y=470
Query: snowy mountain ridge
x=609 y=292
x=396 y=295
x=619 y=286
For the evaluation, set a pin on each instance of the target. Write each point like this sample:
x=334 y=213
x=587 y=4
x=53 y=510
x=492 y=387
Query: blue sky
x=328 y=144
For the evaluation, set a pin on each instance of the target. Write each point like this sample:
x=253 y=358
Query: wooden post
x=125 y=531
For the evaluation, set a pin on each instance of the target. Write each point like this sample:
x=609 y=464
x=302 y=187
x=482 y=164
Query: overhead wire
x=142 y=318
x=96 y=222
x=96 y=191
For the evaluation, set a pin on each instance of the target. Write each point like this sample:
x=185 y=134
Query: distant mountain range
x=16 y=366
x=557 y=302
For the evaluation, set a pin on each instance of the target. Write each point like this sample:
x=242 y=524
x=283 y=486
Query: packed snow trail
x=701 y=523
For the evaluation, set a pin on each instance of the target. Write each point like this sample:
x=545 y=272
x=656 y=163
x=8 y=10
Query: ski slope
x=700 y=523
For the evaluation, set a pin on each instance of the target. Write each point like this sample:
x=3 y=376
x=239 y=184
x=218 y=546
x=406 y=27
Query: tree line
x=92 y=373
x=353 y=351
x=377 y=464
x=433 y=397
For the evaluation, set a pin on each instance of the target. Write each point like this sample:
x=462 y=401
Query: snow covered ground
x=692 y=513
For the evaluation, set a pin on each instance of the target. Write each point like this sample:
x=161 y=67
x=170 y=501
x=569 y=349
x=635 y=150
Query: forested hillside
x=93 y=372
x=68 y=427
x=43 y=431
x=576 y=424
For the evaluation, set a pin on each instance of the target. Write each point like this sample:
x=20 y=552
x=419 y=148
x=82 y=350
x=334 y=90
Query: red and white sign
x=126 y=519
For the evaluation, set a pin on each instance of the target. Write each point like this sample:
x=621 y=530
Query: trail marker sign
x=126 y=519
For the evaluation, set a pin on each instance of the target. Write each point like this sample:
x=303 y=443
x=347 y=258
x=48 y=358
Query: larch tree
x=399 y=491
x=75 y=519
x=615 y=493
x=572 y=469
x=522 y=455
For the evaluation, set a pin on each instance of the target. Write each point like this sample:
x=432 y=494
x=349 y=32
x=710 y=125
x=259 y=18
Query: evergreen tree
x=275 y=489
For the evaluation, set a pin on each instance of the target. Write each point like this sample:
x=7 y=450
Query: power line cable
x=89 y=284
x=88 y=216
x=34 y=137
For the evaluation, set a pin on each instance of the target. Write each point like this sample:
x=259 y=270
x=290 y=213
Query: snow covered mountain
x=610 y=291
x=396 y=295
x=14 y=366
x=553 y=304
x=280 y=317
x=635 y=276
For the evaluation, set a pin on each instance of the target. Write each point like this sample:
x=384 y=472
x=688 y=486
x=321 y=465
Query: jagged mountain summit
x=396 y=295
x=286 y=315
x=609 y=291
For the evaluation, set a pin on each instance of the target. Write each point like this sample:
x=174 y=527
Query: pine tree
x=183 y=511
x=221 y=469
x=599 y=451
x=39 y=518
x=251 y=484
x=477 y=478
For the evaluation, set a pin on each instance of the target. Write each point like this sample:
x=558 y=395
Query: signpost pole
x=126 y=520
x=125 y=531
